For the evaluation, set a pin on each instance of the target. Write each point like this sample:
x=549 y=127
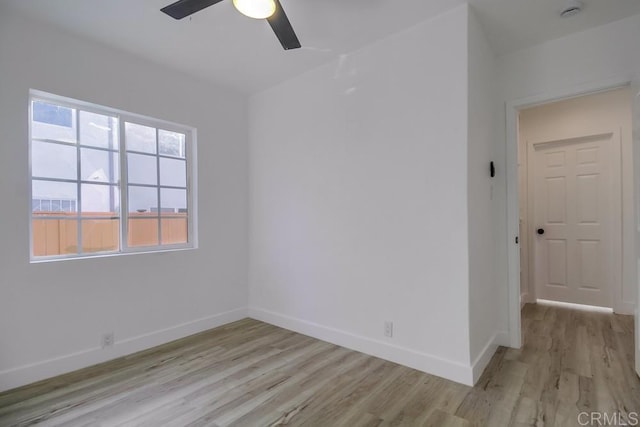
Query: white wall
x=359 y=199
x=52 y=315
x=585 y=115
x=488 y=319
x=594 y=55
x=570 y=65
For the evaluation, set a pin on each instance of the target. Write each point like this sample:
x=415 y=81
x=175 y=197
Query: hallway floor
x=571 y=362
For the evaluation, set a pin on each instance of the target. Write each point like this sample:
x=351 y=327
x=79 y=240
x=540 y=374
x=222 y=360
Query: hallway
x=571 y=362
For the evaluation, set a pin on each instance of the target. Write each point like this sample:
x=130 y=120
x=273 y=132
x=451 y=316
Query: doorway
x=575 y=170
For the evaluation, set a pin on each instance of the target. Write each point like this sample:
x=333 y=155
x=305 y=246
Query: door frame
x=512 y=109
x=635 y=88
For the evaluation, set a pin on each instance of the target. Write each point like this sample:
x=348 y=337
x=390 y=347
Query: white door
x=573 y=219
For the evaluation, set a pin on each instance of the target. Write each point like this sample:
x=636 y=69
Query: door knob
x=541 y=231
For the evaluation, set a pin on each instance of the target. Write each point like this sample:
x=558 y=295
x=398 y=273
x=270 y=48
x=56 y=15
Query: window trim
x=122 y=182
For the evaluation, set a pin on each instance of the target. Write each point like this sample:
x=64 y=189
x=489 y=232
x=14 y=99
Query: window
x=105 y=181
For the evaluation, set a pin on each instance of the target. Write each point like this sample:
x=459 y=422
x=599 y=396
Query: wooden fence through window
x=59 y=236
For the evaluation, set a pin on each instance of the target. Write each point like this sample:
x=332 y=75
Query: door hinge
x=517 y=240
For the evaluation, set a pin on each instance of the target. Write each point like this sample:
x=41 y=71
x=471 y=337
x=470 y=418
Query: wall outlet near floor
x=388 y=329
x=107 y=340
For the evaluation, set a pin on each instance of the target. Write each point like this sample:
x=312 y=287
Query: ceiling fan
x=271 y=10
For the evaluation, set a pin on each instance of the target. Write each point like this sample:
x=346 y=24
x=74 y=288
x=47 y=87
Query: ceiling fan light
x=257 y=9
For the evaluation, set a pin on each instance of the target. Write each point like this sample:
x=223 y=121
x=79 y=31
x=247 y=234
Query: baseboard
x=502 y=339
x=430 y=364
x=27 y=374
x=525 y=298
x=483 y=359
x=627 y=308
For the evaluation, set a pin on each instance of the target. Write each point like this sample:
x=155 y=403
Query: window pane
x=171 y=143
x=174 y=230
x=173 y=201
x=142 y=169
x=54 y=236
x=173 y=172
x=140 y=138
x=100 y=235
x=44 y=192
x=98 y=165
x=143 y=199
x=53 y=160
x=102 y=200
x=52 y=114
x=98 y=130
x=53 y=122
x=143 y=232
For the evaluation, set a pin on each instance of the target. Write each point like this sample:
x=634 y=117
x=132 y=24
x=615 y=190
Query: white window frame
x=122 y=182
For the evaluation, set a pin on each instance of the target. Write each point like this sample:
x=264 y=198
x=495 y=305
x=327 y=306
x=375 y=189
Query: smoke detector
x=573 y=7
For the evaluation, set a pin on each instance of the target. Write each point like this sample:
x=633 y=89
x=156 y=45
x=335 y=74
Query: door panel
x=557 y=262
x=573 y=205
x=589 y=254
x=556 y=195
x=587 y=194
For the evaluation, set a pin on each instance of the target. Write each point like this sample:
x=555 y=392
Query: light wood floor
x=252 y=374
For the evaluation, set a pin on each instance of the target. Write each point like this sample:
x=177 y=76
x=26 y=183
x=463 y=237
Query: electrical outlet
x=107 y=340
x=388 y=329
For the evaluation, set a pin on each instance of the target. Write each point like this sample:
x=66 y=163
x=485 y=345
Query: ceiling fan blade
x=283 y=29
x=184 y=8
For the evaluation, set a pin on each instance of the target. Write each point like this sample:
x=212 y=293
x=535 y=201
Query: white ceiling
x=220 y=45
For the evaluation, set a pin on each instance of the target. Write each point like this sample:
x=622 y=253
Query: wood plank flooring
x=253 y=374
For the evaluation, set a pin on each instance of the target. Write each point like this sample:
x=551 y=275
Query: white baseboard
x=525 y=298
x=483 y=359
x=502 y=339
x=627 y=308
x=430 y=364
x=27 y=374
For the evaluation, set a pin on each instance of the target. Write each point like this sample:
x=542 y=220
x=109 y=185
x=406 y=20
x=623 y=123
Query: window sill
x=45 y=260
